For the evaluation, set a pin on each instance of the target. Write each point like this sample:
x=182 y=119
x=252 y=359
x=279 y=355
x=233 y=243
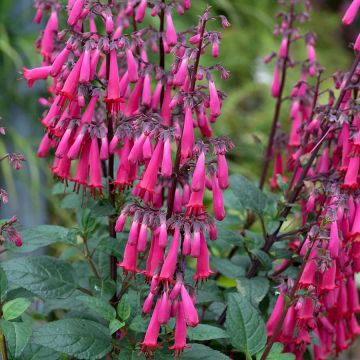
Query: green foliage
x=245 y=326
x=205 y=332
x=17 y=335
x=99 y=306
x=76 y=337
x=249 y=196
x=202 y=352
x=14 y=308
x=276 y=353
x=45 y=276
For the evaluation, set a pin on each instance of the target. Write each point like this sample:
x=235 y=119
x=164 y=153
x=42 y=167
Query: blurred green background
x=247 y=112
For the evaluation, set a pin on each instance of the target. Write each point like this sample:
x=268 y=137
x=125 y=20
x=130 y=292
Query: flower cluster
x=7 y=229
x=111 y=106
x=323 y=150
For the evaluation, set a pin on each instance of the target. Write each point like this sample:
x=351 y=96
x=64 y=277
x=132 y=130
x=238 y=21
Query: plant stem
x=178 y=152
x=90 y=260
x=3 y=349
x=110 y=174
x=161 y=42
x=279 y=101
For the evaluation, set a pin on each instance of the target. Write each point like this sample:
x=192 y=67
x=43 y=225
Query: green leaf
x=249 y=196
x=44 y=276
x=276 y=353
x=263 y=257
x=130 y=354
x=202 y=352
x=244 y=325
x=204 y=332
x=3 y=285
x=124 y=308
x=14 y=308
x=39 y=236
x=254 y=289
x=71 y=201
x=102 y=208
x=83 y=339
x=101 y=307
x=139 y=324
x=227 y=268
x=37 y=352
x=17 y=335
x=102 y=288
x=115 y=325
x=109 y=246
x=208 y=293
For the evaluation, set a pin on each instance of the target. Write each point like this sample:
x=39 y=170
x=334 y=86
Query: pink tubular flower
x=218 y=201
x=95 y=166
x=190 y=313
x=351 y=12
x=113 y=98
x=120 y=223
x=182 y=73
x=169 y=266
x=129 y=260
x=171 y=37
x=149 y=343
x=334 y=242
x=350 y=181
x=166 y=165
x=164 y=309
x=32 y=75
x=275 y=88
x=140 y=11
x=75 y=12
x=59 y=62
x=203 y=270
x=283 y=51
x=180 y=331
x=70 y=85
x=132 y=66
x=214 y=100
x=44 y=146
x=357 y=44
x=275 y=315
x=148 y=182
x=187 y=139
x=198 y=180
